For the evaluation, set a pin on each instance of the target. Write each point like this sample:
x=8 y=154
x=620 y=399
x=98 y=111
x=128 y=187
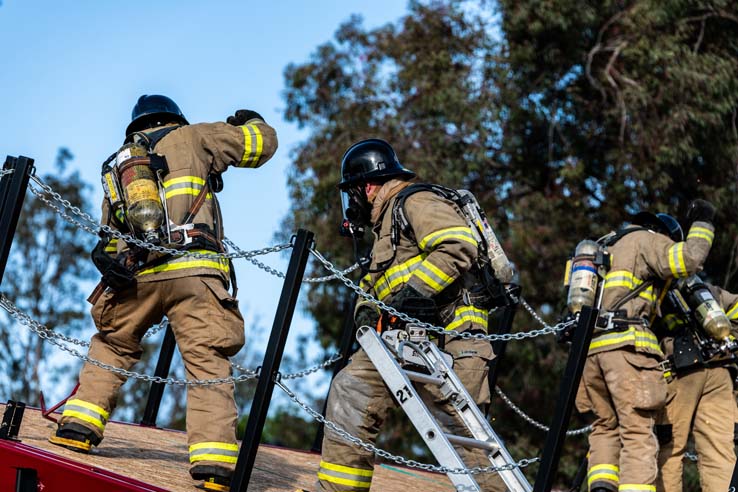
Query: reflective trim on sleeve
x=359 y=478
x=648 y=294
x=396 y=276
x=701 y=233
x=185 y=262
x=222 y=452
x=429 y=242
x=468 y=314
x=252 y=147
x=112 y=246
x=184 y=185
x=432 y=276
x=86 y=411
x=676 y=260
x=621 y=278
x=609 y=473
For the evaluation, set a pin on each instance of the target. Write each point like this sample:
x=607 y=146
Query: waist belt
x=618 y=321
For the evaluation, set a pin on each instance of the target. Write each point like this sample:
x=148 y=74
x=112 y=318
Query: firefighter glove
x=366 y=316
x=242 y=116
x=700 y=210
x=416 y=305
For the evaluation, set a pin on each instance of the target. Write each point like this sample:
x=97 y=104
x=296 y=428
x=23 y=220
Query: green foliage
x=48 y=260
x=562 y=117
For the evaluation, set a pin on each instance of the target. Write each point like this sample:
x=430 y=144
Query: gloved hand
x=242 y=116
x=700 y=210
x=366 y=316
x=114 y=275
x=416 y=305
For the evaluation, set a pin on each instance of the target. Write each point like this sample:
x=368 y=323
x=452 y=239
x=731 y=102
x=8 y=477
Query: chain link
x=534 y=422
x=48 y=196
x=437 y=329
x=4 y=172
x=398 y=459
x=300 y=374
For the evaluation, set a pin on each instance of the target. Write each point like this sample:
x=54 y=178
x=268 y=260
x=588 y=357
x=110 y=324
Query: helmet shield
x=149 y=110
x=356 y=211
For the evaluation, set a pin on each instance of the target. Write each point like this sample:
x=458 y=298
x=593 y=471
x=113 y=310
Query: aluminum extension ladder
x=412 y=348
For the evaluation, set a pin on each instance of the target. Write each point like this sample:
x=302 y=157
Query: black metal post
x=272 y=359
x=734 y=479
x=162 y=370
x=12 y=193
x=346 y=348
x=565 y=402
x=500 y=346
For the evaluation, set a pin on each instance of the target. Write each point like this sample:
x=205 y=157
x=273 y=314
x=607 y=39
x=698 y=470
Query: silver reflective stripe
x=80 y=409
x=214 y=451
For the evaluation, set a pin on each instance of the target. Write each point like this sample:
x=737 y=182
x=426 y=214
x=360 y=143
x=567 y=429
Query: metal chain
x=691 y=456
x=300 y=374
x=437 y=329
x=533 y=422
x=4 y=172
x=93 y=227
x=398 y=459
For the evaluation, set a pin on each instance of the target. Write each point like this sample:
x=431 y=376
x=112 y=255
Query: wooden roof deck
x=159 y=457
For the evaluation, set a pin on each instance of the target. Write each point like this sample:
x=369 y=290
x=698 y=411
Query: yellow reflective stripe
x=189 y=262
x=430 y=241
x=603 y=472
x=184 y=179
x=344 y=481
x=214 y=445
x=676 y=260
x=701 y=233
x=432 y=276
x=648 y=294
x=87 y=412
x=185 y=191
x=83 y=416
x=733 y=312
x=465 y=314
x=213 y=457
x=621 y=278
x=345 y=475
x=397 y=275
x=222 y=452
x=346 y=469
x=672 y=321
x=636 y=487
x=252 y=147
x=641 y=339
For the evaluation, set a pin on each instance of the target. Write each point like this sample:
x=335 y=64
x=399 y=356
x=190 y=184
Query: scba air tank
x=706 y=308
x=583 y=276
x=497 y=258
x=144 y=210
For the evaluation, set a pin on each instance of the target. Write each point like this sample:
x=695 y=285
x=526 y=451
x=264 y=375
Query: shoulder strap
x=609 y=240
x=400 y=223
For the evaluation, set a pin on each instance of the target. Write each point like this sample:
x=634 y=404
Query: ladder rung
x=424 y=378
x=472 y=443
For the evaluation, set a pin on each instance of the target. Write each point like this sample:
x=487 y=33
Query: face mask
x=356 y=212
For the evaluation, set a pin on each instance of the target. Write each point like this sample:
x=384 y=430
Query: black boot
x=76 y=437
x=213 y=477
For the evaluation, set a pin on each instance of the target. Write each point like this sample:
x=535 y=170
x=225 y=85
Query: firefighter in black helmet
x=420 y=279
x=153 y=111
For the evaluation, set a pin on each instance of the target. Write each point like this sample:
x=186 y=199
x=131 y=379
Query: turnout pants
x=624 y=389
x=700 y=401
x=359 y=401
x=208 y=329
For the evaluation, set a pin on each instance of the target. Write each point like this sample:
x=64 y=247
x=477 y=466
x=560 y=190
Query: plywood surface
x=159 y=457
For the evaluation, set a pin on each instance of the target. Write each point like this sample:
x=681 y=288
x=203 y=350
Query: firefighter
x=622 y=382
x=140 y=288
x=699 y=400
x=420 y=279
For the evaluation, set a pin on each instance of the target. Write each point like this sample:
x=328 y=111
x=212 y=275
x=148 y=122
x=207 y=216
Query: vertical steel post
x=162 y=370
x=348 y=338
x=12 y=193
x=565 y=403
x=272 y=359
x=500 y=346
x=734 y=479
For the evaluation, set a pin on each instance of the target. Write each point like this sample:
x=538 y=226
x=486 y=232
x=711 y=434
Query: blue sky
x=70 y=73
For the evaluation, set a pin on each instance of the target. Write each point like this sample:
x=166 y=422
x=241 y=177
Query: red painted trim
x=59 y=474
